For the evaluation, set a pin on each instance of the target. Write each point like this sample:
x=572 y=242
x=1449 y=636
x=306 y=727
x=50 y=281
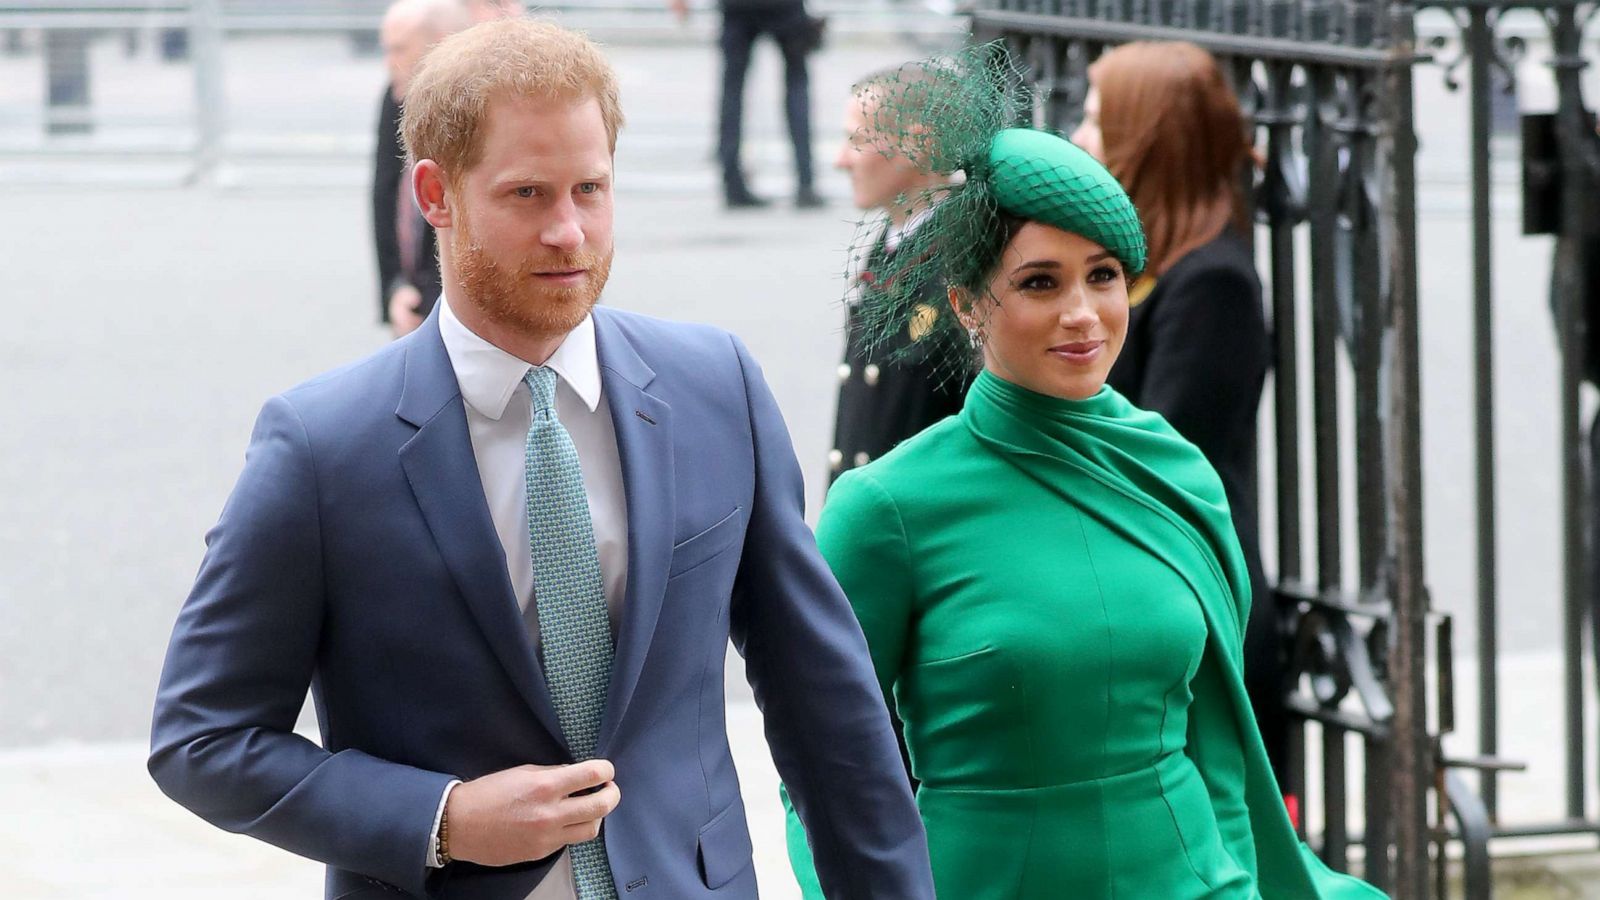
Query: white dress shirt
x=499 y=414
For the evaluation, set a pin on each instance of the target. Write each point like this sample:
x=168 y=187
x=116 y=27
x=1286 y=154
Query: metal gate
x=1329 y=85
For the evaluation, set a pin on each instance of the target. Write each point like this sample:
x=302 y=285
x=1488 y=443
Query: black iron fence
x=1561 y=179
x=1329 y=86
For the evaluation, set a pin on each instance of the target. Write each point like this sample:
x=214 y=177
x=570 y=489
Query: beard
x=514 y=297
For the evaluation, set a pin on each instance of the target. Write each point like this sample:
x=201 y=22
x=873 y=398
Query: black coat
x=389 y=164
x=890 y=392
x=1197 y=352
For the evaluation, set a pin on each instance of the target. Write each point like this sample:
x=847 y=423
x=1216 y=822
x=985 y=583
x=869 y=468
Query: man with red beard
x=507 y=553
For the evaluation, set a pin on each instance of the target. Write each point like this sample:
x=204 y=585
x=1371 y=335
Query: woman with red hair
x=1163 y=119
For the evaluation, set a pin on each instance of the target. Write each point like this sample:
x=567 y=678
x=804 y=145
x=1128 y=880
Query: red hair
x=1172 y=133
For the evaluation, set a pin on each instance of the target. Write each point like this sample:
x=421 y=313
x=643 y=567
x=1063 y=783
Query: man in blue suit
x=507 y=553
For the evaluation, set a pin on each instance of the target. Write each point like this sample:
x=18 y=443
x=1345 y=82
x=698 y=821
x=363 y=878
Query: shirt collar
x=488 y=375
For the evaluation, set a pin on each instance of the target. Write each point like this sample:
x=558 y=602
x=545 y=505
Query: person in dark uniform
x=1163 y=119
x=888 y=390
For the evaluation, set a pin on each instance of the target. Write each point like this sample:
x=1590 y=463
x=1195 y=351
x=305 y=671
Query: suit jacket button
x=871 y=374
x=844 y=372
x=835 y=459
x=863 y=458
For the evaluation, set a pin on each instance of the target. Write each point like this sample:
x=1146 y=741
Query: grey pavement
x=147 y=323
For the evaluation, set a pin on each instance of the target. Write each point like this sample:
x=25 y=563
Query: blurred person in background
x=797 y=34
x=1577 y=256
x=888 y=390
x=1163 y=119
x=507 y=554
x=408 y=271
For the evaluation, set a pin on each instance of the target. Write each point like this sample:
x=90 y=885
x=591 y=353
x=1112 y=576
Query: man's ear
x=432 y=192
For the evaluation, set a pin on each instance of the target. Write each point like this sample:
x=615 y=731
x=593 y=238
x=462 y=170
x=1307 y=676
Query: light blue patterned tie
x=569 y=600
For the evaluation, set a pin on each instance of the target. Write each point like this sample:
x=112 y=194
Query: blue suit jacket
x=356 y=555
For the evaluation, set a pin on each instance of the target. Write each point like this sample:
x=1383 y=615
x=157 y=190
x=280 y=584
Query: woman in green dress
x=1050 y=582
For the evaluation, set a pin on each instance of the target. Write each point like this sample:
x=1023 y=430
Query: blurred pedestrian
x=888 y=389
x=408 y=272
x=1163 y=119
x=797 y=34
x=1576 y=262
x=1587 y=247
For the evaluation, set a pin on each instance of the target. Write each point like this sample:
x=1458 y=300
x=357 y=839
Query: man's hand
x=403 y=315
x=529 y=812
x=680 y=8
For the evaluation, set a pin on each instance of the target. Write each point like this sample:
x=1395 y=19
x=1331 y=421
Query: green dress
x=1054 y=597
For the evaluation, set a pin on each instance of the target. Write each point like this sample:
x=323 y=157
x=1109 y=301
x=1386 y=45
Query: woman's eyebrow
x=1038 y=264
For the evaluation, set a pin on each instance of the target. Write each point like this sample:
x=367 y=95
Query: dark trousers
x=740 y=28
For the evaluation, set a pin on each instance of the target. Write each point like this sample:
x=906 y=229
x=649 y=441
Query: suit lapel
x=644 y=444
x=439 y=463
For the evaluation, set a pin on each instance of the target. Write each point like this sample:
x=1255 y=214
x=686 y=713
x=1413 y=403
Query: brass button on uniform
x=862 y=458
x=844 y=372
x=835 y=459
x=871 y=374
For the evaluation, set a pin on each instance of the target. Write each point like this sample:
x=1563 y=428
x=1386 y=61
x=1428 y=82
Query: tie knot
x=542 y=385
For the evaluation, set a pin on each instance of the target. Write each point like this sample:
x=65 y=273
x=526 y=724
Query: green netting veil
x=954 y=115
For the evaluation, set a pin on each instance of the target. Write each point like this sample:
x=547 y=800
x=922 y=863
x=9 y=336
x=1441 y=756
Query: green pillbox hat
x=1049 y=179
